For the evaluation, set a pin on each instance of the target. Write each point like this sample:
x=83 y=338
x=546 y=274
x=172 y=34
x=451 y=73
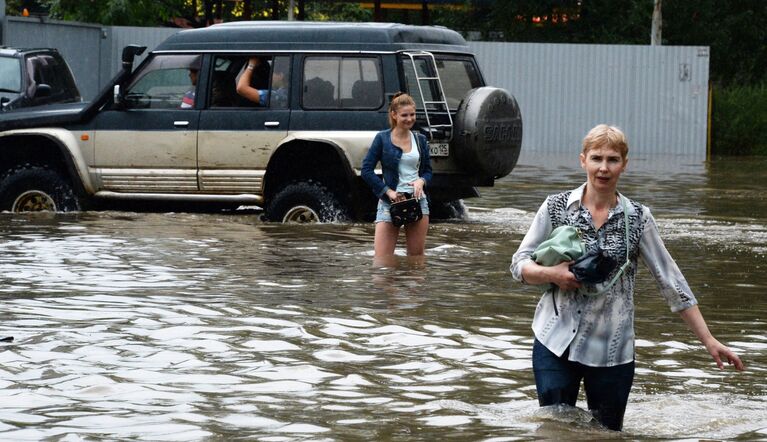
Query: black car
x=32 y=77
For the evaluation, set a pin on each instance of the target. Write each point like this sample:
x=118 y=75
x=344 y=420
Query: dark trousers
x=607 y=388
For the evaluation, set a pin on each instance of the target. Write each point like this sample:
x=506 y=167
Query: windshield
x=10 y=74
x=457 y=73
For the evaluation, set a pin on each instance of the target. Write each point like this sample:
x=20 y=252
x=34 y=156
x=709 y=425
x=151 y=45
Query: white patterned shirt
x=599 y=330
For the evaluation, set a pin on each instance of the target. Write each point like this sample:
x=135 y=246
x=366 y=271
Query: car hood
x=46 y=115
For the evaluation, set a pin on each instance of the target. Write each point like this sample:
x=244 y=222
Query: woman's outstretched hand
x=721 y=353
x=694 y=319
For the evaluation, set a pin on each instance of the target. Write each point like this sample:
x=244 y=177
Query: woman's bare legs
x=385 y=238
x=415 y=234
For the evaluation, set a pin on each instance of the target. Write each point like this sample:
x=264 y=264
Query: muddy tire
x=447 y=210
x=305 y=202
x=487 y=136
x=30 y=188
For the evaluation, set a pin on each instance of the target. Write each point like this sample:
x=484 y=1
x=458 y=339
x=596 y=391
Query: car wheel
x=31 y=188
x=305 y=202
x=443 y=210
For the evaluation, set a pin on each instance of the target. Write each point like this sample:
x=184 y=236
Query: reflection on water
x=190 y=326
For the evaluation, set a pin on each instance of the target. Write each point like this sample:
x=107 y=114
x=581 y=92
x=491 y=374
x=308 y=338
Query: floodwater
x=177 y=326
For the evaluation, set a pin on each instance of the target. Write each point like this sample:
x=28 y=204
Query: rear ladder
x=440 y=119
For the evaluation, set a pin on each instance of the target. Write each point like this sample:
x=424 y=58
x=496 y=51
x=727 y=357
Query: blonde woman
x=404 y=158
x=591 y=338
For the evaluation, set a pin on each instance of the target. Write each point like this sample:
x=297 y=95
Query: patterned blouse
x=599 y=329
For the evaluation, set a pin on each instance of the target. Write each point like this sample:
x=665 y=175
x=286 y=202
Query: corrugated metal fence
x=657 y=94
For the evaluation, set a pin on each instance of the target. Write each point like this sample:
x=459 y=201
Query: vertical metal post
x=2 y=19
x=657 y=24
x=708 y=120
x=291 y=5
x=377 y=16
x=425 y=19
x=247 y=10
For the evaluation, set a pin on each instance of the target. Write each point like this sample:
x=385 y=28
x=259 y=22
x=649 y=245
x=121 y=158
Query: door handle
x=181 y=123
x=272 y=124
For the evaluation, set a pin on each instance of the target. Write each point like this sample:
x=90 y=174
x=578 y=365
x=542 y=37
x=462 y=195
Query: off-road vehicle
x=32 y=77
x=175 y=129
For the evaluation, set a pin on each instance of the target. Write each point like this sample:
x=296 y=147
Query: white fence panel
x=657 y=94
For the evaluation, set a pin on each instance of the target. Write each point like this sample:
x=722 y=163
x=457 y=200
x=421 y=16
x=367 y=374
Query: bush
x=739 y=120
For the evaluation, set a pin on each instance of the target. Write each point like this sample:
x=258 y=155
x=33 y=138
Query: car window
x=51 y=70
x=342 y=83
x=10 y=74
x=165 y=82
x=266 y=83
x=458 y=76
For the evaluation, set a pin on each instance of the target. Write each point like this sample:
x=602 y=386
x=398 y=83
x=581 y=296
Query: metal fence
x=657 y=94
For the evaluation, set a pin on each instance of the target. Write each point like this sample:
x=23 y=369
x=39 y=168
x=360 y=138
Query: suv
x=175 y=129
x=31 y=77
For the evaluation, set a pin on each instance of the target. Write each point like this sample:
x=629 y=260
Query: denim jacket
x=389 y=155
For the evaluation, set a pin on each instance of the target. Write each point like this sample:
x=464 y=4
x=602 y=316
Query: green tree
x=736 y=31
x=337 y=11
x=117 y=12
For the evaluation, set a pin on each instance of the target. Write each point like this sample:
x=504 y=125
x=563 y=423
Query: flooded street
x=186 y=327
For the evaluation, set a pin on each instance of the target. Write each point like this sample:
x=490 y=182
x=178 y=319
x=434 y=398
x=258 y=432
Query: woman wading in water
x=404 y=158
x=591 y=338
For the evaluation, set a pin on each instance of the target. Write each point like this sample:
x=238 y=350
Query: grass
x=739 y=120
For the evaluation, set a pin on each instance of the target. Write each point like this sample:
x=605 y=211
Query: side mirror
x=117 y=97
x=4 y=102
x=42 y=90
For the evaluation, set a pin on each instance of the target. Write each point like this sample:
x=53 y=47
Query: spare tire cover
x=487 y=134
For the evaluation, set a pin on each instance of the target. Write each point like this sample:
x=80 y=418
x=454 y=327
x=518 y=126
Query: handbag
x=592 y=268
x=406 y=211
x=564 y=244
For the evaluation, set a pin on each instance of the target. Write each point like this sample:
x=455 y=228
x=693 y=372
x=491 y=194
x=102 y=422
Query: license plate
x=439 y=149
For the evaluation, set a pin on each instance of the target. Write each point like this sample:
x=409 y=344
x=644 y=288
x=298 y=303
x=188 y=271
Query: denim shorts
x=558 y=380
x=384 y=215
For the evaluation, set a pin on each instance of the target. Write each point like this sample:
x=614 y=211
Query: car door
x=237 y=136
x=148 y=143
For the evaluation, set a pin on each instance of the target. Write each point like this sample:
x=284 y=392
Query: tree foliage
x=116 y=12
x=736 y=31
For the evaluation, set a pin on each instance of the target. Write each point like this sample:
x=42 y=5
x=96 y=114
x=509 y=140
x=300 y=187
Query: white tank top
x=408 y=167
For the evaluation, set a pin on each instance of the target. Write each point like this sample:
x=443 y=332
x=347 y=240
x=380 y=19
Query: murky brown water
x=217 y=326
